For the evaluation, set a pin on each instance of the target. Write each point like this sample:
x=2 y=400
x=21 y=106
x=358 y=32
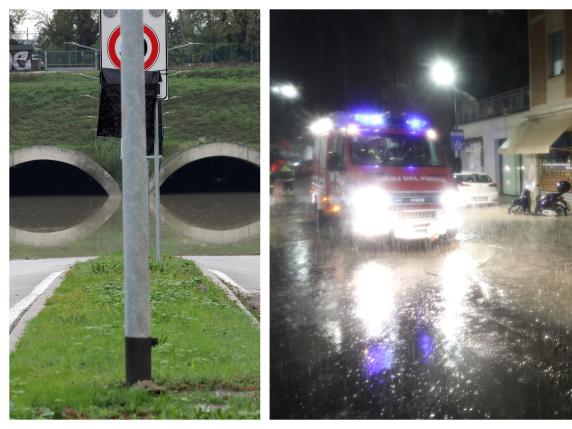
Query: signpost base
x=138 y=359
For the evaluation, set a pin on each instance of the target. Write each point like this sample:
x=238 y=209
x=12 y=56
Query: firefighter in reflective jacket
x=287 y=179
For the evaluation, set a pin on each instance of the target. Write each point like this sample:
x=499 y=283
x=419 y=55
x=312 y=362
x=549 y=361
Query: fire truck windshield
x=396 y=151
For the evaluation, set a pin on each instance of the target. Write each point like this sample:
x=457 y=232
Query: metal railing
x=513 y=101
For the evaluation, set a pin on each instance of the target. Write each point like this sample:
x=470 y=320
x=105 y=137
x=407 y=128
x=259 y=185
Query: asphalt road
x=480 y=328
x=243 y=270
x=26 y=274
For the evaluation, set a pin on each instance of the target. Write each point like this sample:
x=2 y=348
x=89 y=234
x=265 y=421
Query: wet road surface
x=480 y=328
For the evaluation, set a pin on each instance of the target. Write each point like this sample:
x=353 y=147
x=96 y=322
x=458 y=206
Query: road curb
x=18 y=324
x=231 y=295
x=18 y=310
x=226 y=279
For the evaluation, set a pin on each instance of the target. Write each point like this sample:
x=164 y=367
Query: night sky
x=380 y=59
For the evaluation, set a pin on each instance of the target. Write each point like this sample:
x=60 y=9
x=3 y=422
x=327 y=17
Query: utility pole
x=157 y=160
x=138 y=342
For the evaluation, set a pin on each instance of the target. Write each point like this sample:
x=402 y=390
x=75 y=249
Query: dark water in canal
x=191 y=224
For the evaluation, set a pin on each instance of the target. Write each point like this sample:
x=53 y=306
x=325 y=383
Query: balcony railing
x=513 y=101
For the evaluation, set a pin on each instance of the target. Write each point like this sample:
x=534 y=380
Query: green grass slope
x=210 y=104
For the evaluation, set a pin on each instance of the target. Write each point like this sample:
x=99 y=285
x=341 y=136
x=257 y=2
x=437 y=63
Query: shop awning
x=536 y=135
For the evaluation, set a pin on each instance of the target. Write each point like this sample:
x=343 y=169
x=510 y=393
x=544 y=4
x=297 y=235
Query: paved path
x=32 y=281
x=243 y=270
x=26 y=274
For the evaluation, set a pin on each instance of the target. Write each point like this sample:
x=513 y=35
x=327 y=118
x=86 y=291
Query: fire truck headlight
x=321 y=127
x=370 y=199
x=370 y=212
x=451 y=200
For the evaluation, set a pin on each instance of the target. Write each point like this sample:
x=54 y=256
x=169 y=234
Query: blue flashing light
x=416 y=124
x=372 y=119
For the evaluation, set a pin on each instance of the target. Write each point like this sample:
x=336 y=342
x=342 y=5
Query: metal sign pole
x=455 y=117
x=135 y=201
x=157 y=159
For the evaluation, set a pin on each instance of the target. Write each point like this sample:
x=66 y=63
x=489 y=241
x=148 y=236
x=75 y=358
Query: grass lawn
x=70 y=361
x=213 y=104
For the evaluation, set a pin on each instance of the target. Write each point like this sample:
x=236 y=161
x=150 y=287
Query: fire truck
x=383 y=175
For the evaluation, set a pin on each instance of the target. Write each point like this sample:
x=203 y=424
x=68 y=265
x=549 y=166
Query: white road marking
x=21 y=306
x=230 y=281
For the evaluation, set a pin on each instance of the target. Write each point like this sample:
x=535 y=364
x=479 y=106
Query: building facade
x=523 y=138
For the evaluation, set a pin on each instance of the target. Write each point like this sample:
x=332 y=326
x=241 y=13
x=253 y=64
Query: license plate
x=480 y=198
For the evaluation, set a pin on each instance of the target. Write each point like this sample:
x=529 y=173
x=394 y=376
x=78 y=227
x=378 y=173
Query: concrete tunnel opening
x=215 y=193
x=47 y=177
x=214 y=174
x=48 y=196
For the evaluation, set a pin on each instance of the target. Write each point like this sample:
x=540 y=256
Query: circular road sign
x=151 y=41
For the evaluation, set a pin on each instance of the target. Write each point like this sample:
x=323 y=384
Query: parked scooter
x=520 y=205
x=553 y=204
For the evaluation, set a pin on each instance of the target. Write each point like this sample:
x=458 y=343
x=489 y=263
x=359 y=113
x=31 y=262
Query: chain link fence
x=230 y=53
x=65 y=59
x=208 y=53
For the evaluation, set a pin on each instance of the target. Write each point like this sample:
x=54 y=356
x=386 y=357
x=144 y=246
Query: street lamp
x=443 y=74
x=85 y=47
x=287 y=91
x=284 y=102
x=185 y=45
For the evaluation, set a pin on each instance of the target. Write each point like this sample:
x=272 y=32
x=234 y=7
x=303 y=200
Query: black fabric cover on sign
x=109 y=120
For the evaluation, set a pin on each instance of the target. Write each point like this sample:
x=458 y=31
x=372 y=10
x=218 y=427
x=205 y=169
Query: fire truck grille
x=414 y=215
x=416 y=198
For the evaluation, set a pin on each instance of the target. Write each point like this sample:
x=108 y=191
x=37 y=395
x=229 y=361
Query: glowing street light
x=287 y=90
x=443 y=73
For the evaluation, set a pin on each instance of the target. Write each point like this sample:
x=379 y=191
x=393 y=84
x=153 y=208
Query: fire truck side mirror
x=334 y=162
x=457 y=165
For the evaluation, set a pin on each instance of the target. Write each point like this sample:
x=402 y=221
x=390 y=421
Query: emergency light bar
x=373 y=119
x=355 y=123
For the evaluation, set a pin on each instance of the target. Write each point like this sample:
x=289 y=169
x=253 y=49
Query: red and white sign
x=154 y=39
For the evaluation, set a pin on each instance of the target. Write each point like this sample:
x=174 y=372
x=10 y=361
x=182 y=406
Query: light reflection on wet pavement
x=476 y=329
